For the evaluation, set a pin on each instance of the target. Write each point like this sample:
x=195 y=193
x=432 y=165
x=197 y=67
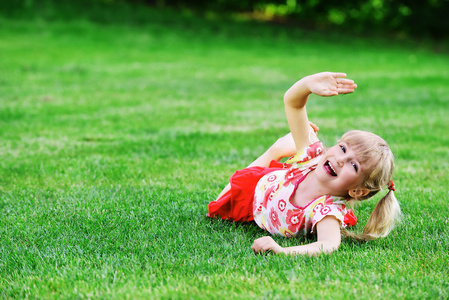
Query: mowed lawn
x=115 y=136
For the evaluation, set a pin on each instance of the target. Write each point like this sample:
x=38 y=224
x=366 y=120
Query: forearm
x=312 y=248
x=283 y=147
x=295 y=100
x=267 y=243
x=329 y=239
x=265 y=159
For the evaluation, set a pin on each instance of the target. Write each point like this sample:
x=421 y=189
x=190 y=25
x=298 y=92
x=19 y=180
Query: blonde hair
x=375 y=153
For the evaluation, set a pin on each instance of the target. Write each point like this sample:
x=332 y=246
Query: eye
x=343 y=148
x=355 y=167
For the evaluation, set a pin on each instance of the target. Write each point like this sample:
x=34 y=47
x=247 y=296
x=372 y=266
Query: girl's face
x=340 y=171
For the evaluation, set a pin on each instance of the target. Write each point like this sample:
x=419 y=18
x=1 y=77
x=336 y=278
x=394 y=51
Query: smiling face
x=340 y=170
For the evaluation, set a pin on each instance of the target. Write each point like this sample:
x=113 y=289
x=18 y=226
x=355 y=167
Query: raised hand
x=329 y=84
x=295 y=99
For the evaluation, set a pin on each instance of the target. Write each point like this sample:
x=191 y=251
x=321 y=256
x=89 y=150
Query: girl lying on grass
x=308 y=193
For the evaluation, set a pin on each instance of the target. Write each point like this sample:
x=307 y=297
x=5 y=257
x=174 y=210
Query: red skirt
x=237 y=203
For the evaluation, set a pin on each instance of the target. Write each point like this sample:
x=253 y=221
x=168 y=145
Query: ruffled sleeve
x=328 y=206
x=309 y=155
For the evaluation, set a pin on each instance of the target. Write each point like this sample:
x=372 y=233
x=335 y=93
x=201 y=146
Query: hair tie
x=391 y=186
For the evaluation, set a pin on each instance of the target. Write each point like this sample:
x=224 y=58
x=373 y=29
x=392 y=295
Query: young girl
x=308 y=193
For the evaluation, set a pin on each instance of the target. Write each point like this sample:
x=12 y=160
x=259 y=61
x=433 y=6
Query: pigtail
x=382 y=220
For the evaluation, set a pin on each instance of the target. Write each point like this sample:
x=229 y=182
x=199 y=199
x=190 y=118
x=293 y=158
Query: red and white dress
x=264 y=194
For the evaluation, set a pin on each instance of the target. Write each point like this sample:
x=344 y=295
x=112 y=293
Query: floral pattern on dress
x=274 y=219
x=272 y=208
x=295 y=219
x=281 y=205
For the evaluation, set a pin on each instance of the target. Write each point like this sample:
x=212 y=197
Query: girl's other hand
x=264 y=244
x=330 y=84
x=314 y=127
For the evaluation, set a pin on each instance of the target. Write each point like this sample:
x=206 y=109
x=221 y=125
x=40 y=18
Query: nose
x=339 y=161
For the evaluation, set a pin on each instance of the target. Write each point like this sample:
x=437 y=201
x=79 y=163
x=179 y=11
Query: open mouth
x=329 y=169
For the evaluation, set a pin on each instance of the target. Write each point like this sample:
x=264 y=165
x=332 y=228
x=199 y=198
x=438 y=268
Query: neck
x=308 y=190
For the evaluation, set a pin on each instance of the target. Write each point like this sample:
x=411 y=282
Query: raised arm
x=323 y=84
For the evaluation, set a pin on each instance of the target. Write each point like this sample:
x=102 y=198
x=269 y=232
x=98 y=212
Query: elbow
x=286 y=98
x=333 y=246
x=292 y=101
x=329 y=246
x=289 y=97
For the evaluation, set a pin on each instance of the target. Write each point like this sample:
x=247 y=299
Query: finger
x=345 y=91
x=344 y=81
x=266 y=247
x=314 y=127
x=337 y=75
x=267 y=251
x=255 y=249
x=259 y=250
x=329 y=93
x=346 y=86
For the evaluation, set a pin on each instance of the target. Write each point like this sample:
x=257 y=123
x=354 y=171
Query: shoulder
x=307 y=153
x=326 y=206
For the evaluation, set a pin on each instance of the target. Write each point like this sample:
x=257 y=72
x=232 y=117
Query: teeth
x=331 y=168
x=330 y=165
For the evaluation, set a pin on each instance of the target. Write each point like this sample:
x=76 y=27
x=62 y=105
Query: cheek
x=352 y=179
x=357 y=180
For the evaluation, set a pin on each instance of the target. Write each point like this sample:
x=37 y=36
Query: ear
x=359 y=192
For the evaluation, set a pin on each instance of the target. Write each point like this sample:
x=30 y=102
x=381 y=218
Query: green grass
x=115 y=136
